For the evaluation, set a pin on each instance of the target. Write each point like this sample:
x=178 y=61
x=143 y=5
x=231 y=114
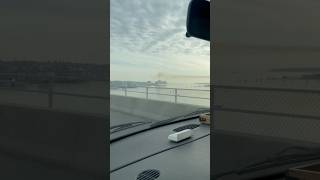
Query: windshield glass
x=157 y=73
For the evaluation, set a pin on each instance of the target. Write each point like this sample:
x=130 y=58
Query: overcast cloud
x=66 y=30
x=148 y=37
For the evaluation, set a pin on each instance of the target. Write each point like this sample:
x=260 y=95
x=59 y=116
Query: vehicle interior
x=141 y=128
x=265 y=110
x=231 y=97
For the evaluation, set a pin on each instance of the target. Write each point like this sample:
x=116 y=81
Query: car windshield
x=157 y=73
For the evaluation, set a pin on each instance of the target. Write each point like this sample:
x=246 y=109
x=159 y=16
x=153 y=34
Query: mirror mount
x=198 y=19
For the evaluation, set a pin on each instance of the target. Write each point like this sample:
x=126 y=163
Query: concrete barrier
x=67 y=140
x=149 y=109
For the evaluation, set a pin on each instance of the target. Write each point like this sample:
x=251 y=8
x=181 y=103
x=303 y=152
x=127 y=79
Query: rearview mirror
x=198 y=19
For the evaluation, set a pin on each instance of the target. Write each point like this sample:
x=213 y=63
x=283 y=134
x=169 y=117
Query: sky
x=66 y=30
x=148 y=42
x=254 y=37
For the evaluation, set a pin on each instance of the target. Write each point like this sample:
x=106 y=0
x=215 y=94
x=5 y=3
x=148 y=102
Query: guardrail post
x=175 y=95
x=125 y=91
x=147 y=93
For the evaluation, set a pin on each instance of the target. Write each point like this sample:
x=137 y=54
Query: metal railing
x=175 y=93
x=50 y=94
x=266 y=89
x=254 y=88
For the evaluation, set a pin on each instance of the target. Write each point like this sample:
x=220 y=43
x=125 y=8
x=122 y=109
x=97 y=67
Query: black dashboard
x=151 y=151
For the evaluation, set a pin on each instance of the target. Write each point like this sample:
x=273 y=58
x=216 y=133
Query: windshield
x=156 y=72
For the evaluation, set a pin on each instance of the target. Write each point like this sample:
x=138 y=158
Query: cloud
x=151 y=34
x=42 y=30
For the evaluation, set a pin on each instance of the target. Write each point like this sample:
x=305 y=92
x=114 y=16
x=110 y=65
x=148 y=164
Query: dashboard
x=150 y=152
